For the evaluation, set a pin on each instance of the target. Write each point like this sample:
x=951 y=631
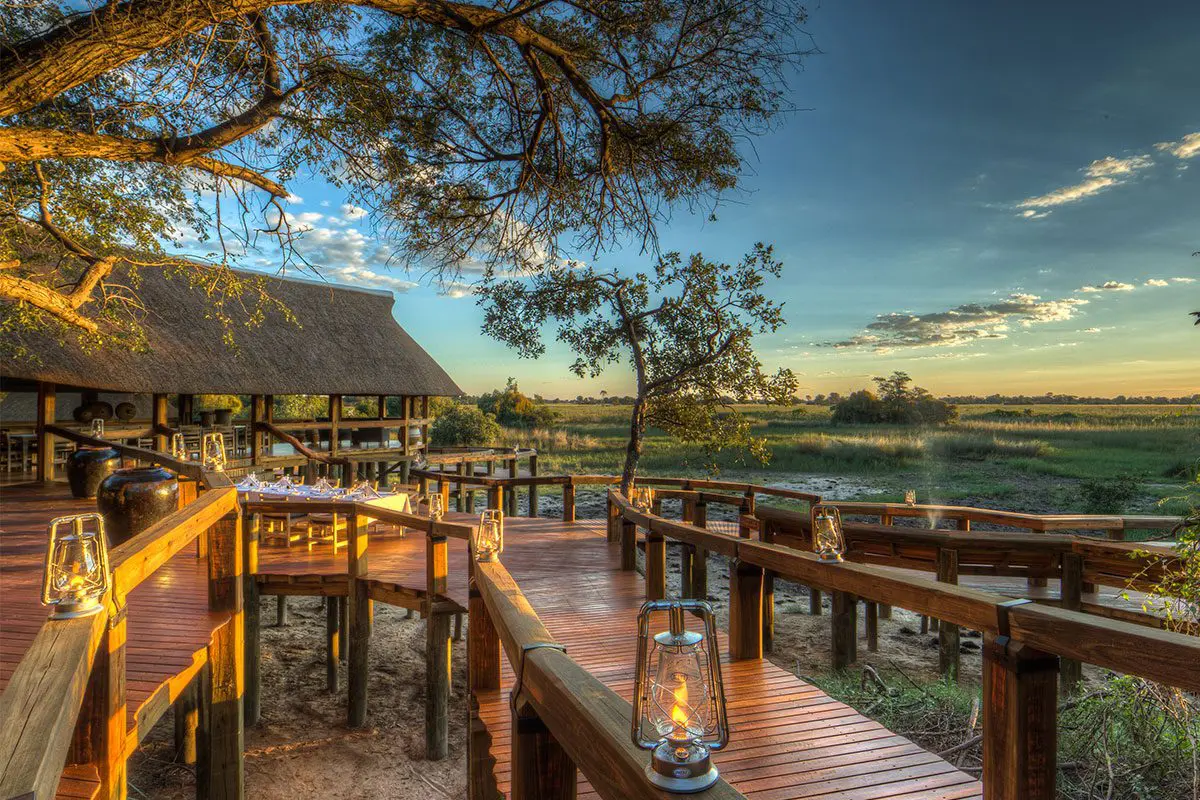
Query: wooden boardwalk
x=169 y=625
x=788 y=739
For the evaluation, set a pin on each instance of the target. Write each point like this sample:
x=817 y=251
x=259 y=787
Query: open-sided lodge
x=552 y=623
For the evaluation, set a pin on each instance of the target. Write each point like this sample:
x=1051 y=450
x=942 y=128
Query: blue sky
x=1008 y=194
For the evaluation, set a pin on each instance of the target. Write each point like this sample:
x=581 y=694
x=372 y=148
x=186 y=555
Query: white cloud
x=1091 y=330
x=456 y=289
x=961 y=325
x=1183 y=280
x=1157 y=282
x=295 y=199
x=352 y=212
x=1187 y=147
x=1101 y=174
x=1108 y=286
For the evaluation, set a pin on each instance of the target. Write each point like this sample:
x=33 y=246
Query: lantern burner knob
x=681 y=768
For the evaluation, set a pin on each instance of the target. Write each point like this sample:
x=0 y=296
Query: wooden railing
x=67 y=694
x=1022 y=640
x=563 y=718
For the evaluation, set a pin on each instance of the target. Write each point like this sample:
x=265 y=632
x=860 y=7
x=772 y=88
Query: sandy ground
x=303 y=748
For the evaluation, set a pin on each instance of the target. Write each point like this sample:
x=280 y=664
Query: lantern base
x=63 y=610
x=834 y=557
x=487 y=558
x=693 y=773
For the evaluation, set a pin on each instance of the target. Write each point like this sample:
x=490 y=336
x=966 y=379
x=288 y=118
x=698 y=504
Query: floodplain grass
x=1032 y=459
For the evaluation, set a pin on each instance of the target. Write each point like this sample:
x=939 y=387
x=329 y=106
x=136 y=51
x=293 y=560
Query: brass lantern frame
x=826 y=553
x=489 y=516
x=92 y=603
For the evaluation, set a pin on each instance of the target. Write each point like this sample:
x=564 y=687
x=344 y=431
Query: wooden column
x=187 y=716
x=359 y=633
x=495 y=495
x=483 y=674
x=844 y=624
x=444 y=491
x=185 y=404
x=700 y=561
x=533 y=489
x=768 y=611
x=335 y=423
x=252 y=705
x=628 y=545
x=258 y=413
x=158 y=420
x=948 y=657
x=872 y=627
x=687 y=558
x=437 y=650
x=568 y=495
x=656 y=566
x=460 y=500
x=745 y=610
x=281 y=611
x=1020 y=725
x=220 y=771
x=814 y=601
x=541 y=768
x=100 y=729
x=333 y=631
x=1070 y=670
x=45 y=440
x=513 y=472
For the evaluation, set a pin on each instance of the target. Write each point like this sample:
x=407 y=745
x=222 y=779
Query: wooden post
x=460 y=500
x=45 y=439
x=656 y=565
x=220 y=771
x=106 y=710
x=1070 y=670
x=158 y=420
x=541 y=768
x=186 y=713
x=444 y=491
x=533 y=489
x=333 y=627
x=258 y=413
x=814 y=601
x=687 y=557
x=437 y=650
x=844 y=624
x=1020 y=725
x=628 y=545
x=948 y=657
x=495 y=496
x=483 y=644
x=768 y=611
x=359 y=633
x=568 y=502
x=513 y=472
x=281 y=611
x=872 y=627
x=745 y=610
x=885 y=610
x=185 y=404
x=252 y=704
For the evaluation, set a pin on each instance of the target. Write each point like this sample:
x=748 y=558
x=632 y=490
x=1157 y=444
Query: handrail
x=585 y=717
x=406 y=519
x=191 y=469
x=1163 y=656
x=1014 y=519
x=297 y=445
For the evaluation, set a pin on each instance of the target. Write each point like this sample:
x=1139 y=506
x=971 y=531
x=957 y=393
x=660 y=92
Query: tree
x=897 y=403
x=464 y=425
x=686 y=330
x=512 y=408
x=476 y=134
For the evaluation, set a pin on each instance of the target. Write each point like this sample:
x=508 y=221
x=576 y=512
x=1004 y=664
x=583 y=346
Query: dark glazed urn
x=132 y=500
x=88 y=466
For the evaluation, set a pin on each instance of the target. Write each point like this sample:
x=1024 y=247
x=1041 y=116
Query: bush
x=861 y=407
x=1110 y=496
x=513 y=409
x=464 y=425
x=896 y=403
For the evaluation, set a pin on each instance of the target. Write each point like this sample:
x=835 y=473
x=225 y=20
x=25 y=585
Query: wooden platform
x=789 y=739
x=169 y=624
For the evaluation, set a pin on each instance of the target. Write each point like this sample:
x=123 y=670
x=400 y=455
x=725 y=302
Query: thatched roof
x=344 y=340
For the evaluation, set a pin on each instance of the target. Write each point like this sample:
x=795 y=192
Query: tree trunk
x=633 y=450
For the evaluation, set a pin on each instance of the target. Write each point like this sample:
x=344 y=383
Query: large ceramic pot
x=126 y=411
x=102 y=410
x=132 y=500
x=88 y=466
x=224 y=416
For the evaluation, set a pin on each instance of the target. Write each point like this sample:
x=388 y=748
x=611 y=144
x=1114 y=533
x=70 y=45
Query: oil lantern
x=212 y=451
x=76 y=576
x=828 y=540
x=910 y=497
x=97 y=428
x=178 y=447
x=643 y=498
x=488 y=542
x=678 y=699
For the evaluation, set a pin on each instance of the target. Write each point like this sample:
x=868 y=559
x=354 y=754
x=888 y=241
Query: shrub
x=461 y=424
x=896 y=403
x=1110 y=496
x=861 y=407
x=513 y=409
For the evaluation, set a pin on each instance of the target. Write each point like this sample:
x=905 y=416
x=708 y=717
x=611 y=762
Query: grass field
x=1000 y=455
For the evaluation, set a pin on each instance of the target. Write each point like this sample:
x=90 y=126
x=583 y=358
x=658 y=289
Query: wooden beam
x=745 y=610
x=1020 y=726
x=437 y=650
x=220 y=771
x=359 y=634
x=45 y=439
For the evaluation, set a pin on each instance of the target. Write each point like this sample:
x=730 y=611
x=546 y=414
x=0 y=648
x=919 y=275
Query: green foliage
x=214 y=402
x=513 y=409
x=897 y=403
x=1108 y=496
x=686 y=331
x=301 y=406
x=464 y=425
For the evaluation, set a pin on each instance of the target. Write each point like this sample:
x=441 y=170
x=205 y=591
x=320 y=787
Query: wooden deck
x=169 y=624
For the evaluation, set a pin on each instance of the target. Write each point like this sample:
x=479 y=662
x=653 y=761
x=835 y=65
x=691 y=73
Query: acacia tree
x=686 y=330
x=477 y=134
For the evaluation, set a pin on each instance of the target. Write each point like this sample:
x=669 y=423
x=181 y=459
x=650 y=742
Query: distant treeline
x=833 y=398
